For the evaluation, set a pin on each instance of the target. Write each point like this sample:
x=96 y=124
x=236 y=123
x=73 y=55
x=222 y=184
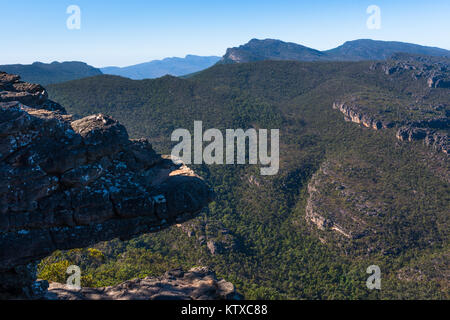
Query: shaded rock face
x=197 y=284
x=69 y=184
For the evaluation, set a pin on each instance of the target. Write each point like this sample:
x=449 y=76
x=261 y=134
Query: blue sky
x=128 y=32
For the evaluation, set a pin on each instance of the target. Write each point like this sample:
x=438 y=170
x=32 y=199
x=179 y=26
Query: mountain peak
x=270 y=49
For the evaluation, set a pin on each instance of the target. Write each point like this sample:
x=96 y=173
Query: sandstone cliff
x=353 y=112
x=69 y=184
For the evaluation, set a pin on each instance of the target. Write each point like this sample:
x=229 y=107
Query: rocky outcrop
x=199 y=283
x=353 y=206
x=321 y=221
x=69 y=184
x=353 y=112
x=432 y=132
x=438 y=81
x=334 y=207
x=435 y=70
x=32 y=95
x=214 y=247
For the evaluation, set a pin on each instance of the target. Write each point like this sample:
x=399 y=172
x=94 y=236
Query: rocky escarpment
x=199 y=283
x=352 y=112
x=425 y=117
x=69 y=183
x=433 y=131
x=416 y=122
x=435 y=70
x=361 y=207
x=334 y=205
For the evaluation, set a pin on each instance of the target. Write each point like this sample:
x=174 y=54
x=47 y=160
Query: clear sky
x=128 y=32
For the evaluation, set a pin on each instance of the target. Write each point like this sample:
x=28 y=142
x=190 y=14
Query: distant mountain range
x=48 y=73
x=158 y=68
x=254 y=50
x=363 y=49
x=56 y=72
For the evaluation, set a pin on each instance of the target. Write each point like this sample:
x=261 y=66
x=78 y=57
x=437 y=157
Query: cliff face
x=429 y=131
x=69 y=184
x=354 y=114
x=435 y=70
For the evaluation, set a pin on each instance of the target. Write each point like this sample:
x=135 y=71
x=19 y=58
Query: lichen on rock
x=69 y=184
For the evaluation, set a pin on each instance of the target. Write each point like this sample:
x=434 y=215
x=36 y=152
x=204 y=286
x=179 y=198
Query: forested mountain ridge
x=55 y=72
x=367 y=49
x=386 y=200
x=356 y=50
